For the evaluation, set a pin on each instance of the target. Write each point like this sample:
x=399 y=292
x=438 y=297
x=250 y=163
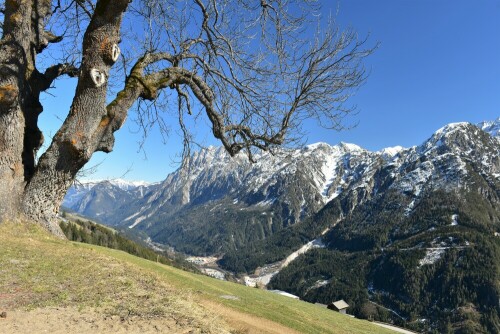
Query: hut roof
x=340 y=304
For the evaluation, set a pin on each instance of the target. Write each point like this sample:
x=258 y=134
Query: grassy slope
x=37 y=270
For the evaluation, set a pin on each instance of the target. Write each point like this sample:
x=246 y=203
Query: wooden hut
x=339 y=306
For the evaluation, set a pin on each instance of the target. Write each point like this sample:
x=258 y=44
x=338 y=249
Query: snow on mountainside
x=446 y=160
x=299 y=182
x=278 y=191
x=94 y=197
x=390 y=152
x=126 y=184
x=120 y=183
x=492 y=127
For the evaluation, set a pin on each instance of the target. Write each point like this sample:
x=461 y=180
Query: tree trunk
x=74 y=144
x=11 y=168
x=33 y=192
x=14 y=70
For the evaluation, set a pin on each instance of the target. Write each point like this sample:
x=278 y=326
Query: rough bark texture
x=74 y=144
x=15 y=64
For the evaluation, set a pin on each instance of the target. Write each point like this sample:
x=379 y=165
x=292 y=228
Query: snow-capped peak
x=390 y=152
x=350 y=147
x=450 y=127
x=126 y=184
x=120 y=183
x=491 y=127
x=315 y=146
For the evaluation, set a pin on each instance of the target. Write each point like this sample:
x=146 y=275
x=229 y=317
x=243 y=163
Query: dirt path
x=71 y=321
x=247 y=323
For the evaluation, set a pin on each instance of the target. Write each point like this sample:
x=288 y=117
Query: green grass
x=299 y=315
x=37 y=270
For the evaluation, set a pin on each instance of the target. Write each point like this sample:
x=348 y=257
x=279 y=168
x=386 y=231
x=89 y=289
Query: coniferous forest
x=91 y=233
x=377 y=257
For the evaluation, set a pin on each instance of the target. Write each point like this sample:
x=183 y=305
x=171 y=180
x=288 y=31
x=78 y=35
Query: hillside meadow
x=48 y=284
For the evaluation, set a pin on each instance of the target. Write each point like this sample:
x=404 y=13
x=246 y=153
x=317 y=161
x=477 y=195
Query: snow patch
x=415 y=180
x=390 y=152
x=319 y=284
x=137 y=221
x=491 y=127
x=214 y=273
x=329 y=172
x=316 y=243
x=450 y=127
x=266 y=202
x=260 y=280
x=120 y=183
x=315 y=146
x=432 y=256
x=409 y=208
x=284 y=293
x=351 y=147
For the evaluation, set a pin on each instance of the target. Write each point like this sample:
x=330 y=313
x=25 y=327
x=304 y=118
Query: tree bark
x=15 y=65
x=75 y=142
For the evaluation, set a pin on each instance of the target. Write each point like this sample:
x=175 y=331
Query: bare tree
x=255 y=69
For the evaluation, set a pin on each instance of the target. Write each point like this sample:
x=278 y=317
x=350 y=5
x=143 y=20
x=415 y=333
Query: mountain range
x=232 y=194
x=408 y=235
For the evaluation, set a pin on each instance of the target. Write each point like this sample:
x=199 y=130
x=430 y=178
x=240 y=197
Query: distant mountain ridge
x=276 y=191
x=97 y=198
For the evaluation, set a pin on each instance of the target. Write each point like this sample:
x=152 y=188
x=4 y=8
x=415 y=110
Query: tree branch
x=44 y=81
x=137 y=85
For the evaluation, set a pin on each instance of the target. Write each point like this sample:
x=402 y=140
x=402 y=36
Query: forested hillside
x=438 y=269
x=419 y=245
x=91 y=233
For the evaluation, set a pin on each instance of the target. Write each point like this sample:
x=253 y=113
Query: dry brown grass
x=71 y=288
x=40 y=273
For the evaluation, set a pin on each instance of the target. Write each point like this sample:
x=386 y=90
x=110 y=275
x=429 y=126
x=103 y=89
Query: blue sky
x=438 y=62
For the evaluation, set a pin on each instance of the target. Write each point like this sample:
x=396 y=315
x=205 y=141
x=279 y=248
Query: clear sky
x=438 y=62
